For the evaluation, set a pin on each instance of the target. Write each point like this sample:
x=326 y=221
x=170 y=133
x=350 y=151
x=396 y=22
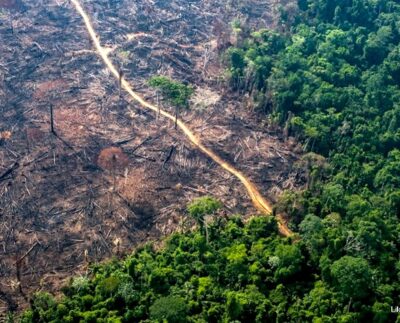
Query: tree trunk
x=158 y=105
x=286 y=130
x=121 y=75
x=52 y=120
x=206 y=228
x=176 y=117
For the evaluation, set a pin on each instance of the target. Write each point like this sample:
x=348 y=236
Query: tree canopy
x=175 y=93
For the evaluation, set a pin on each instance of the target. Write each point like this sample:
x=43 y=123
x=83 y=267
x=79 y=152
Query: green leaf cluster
x=175 y=93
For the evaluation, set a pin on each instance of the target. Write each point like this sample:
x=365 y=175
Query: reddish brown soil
x=48 y=87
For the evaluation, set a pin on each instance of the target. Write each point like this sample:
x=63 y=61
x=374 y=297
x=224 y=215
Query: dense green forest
x=333 y=82
x=331 y=78
x=243 y=272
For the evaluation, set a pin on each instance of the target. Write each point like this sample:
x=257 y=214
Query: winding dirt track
x=258 y=200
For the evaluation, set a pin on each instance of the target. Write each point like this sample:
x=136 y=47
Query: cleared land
x=59 y=209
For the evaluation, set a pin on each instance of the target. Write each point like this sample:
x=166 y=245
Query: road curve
x=258 y=200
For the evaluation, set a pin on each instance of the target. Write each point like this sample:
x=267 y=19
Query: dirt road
x=258 y=200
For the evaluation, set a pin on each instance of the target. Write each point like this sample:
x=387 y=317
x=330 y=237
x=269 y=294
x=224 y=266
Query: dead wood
x=9 y=171
x=12 y=306
x=28 y=252
x=171 y=151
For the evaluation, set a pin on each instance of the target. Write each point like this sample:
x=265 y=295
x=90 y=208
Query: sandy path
x=258 y=200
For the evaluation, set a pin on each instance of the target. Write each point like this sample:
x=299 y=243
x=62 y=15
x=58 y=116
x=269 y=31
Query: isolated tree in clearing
x=175 y=93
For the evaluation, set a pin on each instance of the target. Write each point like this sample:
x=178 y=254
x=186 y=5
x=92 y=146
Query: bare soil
x=59 y=209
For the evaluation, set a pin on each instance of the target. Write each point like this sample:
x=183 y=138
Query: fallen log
x=9 y=171
x=171 y=151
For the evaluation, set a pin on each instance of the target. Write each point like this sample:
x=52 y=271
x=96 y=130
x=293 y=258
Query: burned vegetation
x=84 y=172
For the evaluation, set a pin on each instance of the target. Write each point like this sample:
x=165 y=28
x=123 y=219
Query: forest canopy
x=331 y=79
